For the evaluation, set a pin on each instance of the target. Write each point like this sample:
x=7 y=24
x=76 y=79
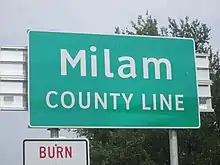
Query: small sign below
x=55 y=152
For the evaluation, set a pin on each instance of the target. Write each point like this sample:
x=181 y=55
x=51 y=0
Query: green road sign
x=111 y=81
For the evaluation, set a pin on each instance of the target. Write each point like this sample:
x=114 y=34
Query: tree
x=146 y=147
x=117 y=147
x=192 y=142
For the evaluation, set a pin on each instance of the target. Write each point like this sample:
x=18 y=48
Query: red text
x=55 y=152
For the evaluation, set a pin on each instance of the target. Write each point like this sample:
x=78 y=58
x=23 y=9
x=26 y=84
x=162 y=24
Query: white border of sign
x=56 y=139
x=106 y=127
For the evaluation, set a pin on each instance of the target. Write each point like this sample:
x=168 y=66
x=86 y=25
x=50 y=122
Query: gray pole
x=173 y=147
x=54 y=132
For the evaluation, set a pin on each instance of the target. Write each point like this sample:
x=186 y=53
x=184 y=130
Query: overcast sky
x=96 y=16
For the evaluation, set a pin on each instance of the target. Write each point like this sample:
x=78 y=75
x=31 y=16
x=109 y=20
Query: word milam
x=82 y=56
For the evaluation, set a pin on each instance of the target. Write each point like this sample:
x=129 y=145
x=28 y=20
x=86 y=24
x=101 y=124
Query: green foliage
x=195 y=29
x=144 y=26
x=151 y=147
x=118 y=147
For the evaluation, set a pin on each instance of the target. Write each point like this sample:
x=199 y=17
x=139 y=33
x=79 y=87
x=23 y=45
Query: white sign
x=56 y=152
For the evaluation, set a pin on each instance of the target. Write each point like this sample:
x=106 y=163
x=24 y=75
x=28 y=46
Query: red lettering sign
x=55 y=152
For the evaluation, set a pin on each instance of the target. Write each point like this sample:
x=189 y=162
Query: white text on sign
x=102 y=100
x=81 y=58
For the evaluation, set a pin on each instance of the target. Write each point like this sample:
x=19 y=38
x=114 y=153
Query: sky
x=97 y=16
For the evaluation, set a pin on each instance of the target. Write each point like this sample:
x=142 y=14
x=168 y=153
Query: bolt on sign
x=111 y=81
x=55 y=152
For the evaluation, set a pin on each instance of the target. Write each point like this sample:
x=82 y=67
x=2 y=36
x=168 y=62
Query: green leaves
x=118 y=147
x=194 y=29
x=145 y=25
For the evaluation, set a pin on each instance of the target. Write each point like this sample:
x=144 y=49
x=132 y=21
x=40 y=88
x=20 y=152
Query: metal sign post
x=54 y=132
x=173 y=147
